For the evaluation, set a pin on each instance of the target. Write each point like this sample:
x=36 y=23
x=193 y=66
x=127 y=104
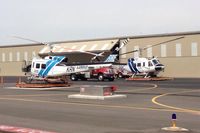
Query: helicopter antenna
x=140 y=50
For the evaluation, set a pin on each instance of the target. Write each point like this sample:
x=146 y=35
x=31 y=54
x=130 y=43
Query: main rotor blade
x=100 y=54
x=163 y=42
x=51 y=48
x=27 y=39
x=130 y=52
x=152 y=46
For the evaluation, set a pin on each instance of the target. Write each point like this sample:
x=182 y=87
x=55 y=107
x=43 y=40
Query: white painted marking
x=96 y=97
x=83 y=47
x=6 y=128
x=61 y=50
x=93 y=47
x=104 y=46
x=175 y=129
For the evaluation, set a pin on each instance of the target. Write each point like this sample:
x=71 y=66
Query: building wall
x=12 y=59
x=181 y=57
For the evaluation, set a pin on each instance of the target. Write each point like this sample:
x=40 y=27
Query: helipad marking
x=154 y=100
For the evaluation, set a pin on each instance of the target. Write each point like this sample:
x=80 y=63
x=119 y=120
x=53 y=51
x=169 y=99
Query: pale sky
x=63 y=20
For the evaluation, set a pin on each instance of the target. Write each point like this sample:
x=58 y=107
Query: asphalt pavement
x=147 y=108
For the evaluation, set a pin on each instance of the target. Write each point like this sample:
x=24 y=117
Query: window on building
x=26 y=56
x=149 y=51
x=163 y=50
x=18 y=56
x=37 y=65
x=3 y=57
x=136 y=54
x=178 y=49
x=194 y=49
x=33 y=54
x=10 y=56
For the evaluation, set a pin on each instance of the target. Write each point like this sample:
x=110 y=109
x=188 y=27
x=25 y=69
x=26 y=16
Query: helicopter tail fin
x=111 y=58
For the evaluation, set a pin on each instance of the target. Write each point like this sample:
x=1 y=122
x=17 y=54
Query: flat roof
x=99 y=39
x=67 y=47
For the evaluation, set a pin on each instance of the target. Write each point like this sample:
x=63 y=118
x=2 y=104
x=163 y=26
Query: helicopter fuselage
x=144 y=66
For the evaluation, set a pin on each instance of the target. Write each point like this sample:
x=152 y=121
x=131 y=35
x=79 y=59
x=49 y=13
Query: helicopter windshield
x=155 y=62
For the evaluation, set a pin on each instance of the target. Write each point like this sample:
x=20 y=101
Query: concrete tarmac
x=147 y=108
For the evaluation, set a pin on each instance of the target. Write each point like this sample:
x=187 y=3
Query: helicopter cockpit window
x=150 y=64
x=65 y=60
x=43 y=66
x=37 y=65
x=63 y=63
x=131 y=59
x=143 y=63
x=155 y=62
x=138 y=64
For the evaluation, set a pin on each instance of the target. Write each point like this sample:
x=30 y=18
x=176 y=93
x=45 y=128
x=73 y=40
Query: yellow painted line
x=154 y=100
x=97 y=105
x=92 y=105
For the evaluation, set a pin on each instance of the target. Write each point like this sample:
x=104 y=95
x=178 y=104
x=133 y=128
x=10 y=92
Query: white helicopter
x=57 y=67
x=147 y=67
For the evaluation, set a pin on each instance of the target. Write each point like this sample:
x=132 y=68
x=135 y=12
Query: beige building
x=181 y=57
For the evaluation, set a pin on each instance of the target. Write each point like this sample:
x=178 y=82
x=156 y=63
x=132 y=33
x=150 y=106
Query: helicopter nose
x=159 y=67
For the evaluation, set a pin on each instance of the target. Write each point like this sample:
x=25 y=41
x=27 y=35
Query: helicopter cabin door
x=150 y=66
x=142 y=66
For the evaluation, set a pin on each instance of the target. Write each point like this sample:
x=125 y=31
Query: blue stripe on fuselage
x=132 y=66
x=50 y=64
x=129 y=64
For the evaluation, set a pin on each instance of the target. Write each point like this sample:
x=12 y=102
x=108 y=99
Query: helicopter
x=57 y=67
x=140 y=66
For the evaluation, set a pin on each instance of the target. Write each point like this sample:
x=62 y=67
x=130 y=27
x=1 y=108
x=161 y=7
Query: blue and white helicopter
x=57 y=67
x=147 y=67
